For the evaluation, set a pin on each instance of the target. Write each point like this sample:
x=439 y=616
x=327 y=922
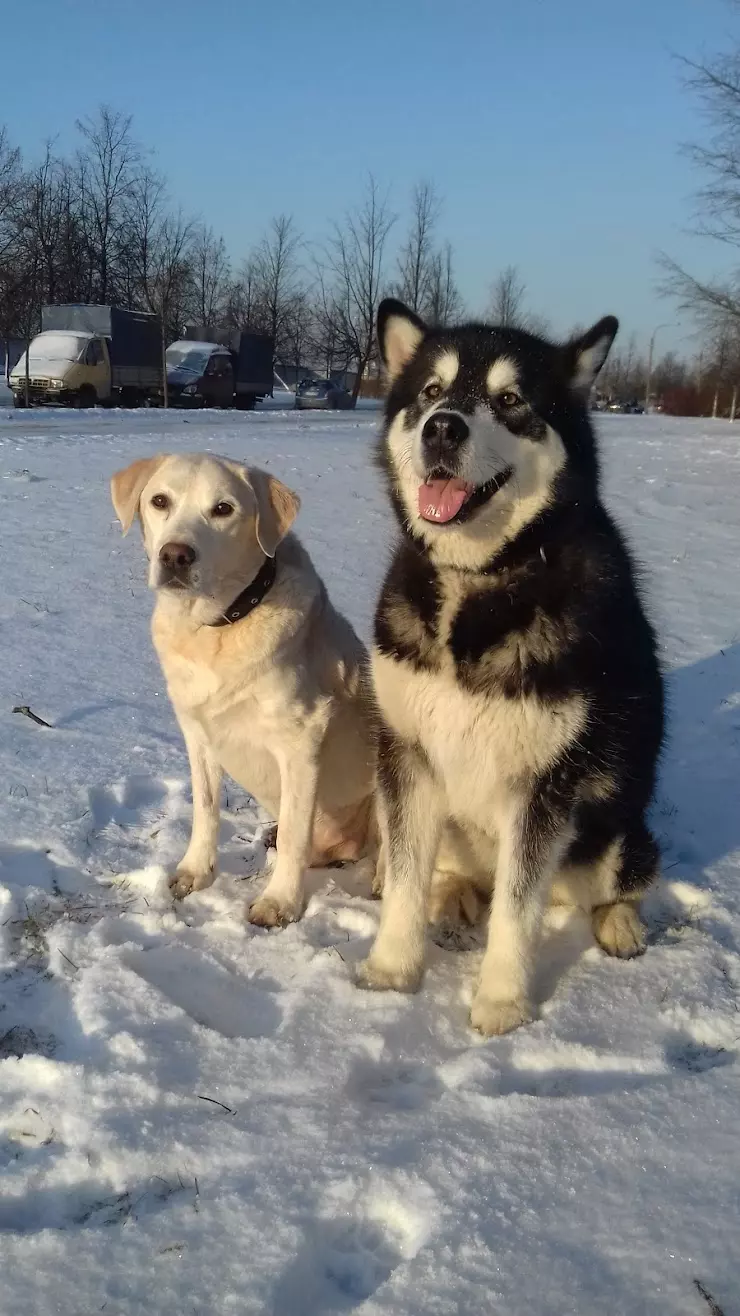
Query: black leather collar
x=250 y=597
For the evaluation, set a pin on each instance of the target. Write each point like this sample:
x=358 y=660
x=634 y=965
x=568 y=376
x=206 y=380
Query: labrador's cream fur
x=276 y=700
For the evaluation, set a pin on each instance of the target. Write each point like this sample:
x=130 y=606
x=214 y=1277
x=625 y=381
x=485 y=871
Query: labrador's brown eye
x=222 y=510
x=161 y=502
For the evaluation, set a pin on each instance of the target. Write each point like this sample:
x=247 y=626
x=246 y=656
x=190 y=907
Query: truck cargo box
x=134 y=337
x=254 y=355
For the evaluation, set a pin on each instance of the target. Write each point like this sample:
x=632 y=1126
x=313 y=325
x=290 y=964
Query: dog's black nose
x=443 y=434
x=177 y=556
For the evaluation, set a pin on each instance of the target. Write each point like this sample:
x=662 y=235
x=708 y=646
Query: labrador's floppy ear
x=127 y=486
x=277 y=507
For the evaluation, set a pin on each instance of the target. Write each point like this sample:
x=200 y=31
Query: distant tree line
x=100 y=226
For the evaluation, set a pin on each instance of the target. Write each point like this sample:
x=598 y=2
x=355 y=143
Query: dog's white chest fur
x=480 y=746
x=240 y=712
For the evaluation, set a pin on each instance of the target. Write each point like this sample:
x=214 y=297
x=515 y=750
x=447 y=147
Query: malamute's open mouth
x=444 y=498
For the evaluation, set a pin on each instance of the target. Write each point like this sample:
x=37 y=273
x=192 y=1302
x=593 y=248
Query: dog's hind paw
x=492 y=1018
x=269 y=912
x=618 y=930
x=182 y=882
x=378 y=978
x=377 y=884
x=454 y=901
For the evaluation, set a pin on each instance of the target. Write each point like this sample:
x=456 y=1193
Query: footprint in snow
x=395 y=1086
x=212 y=996
x=695 y=1056
x=123 y=803
x=345 y=1259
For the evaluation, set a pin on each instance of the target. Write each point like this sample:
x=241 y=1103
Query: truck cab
x=63 y=367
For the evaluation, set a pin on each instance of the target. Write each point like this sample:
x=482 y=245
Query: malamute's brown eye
x=222 y=510
x=509 y=399
x=433 y=391
x=161 y=502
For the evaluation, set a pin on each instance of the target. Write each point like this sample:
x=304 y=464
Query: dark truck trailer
x=252 y=356
x=254 y=367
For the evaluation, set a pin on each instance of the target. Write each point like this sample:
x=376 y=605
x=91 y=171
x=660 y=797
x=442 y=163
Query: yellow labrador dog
x=264 y=675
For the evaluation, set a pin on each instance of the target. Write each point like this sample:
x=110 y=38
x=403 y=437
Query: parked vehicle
x=633 y=408
x=234 y=370
x=86 y=355
x=199 y=375
x=322 y=395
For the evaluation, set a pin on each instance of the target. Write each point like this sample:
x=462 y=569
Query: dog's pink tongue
x=440 y=500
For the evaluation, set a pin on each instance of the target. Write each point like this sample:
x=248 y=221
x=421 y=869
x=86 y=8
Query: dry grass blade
x=713 y=1306
x=28 y=712
x=213 y=1102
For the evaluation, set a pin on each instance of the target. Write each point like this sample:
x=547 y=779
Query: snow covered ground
x=200 y=1117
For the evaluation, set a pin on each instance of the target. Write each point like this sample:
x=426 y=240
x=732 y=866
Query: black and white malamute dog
x=519 y=696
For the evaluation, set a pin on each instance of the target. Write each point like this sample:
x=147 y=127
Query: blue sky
x=550 y=127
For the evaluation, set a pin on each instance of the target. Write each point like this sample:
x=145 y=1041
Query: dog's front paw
x=183 y=882
x=378 y=977
x=270 y=912
x=492 y=1018
x=618 y=930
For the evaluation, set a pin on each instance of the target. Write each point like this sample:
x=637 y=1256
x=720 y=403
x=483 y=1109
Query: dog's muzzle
x=176 y=561
x=442 y=437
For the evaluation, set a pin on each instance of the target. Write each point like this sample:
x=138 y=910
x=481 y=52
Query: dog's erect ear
x=399 y=333
x=127 y=486
x=277 y=508
x=587 y=354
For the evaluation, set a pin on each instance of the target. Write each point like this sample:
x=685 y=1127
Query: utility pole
x=650 y=365
x=165 y=391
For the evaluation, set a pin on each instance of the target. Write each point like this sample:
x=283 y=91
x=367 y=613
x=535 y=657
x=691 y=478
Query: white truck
x=87 y=356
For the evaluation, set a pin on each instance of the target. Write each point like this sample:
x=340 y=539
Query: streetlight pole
x=650 y=365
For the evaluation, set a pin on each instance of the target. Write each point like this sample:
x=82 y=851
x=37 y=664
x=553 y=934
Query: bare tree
x=144 y=215
x=327 y=341
x=243 y=307
x=210 y=277
x=298 y=331
x=108 y=164
x=444 y=303
x=506 y=304
x=355 y=263
x=41 y=257
x=709 y=301
x=716 y=85
x=10 y=179
x=23 y=281
x=416 y=257
x=168 y=284
x=47 y=220
x=276 y=272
